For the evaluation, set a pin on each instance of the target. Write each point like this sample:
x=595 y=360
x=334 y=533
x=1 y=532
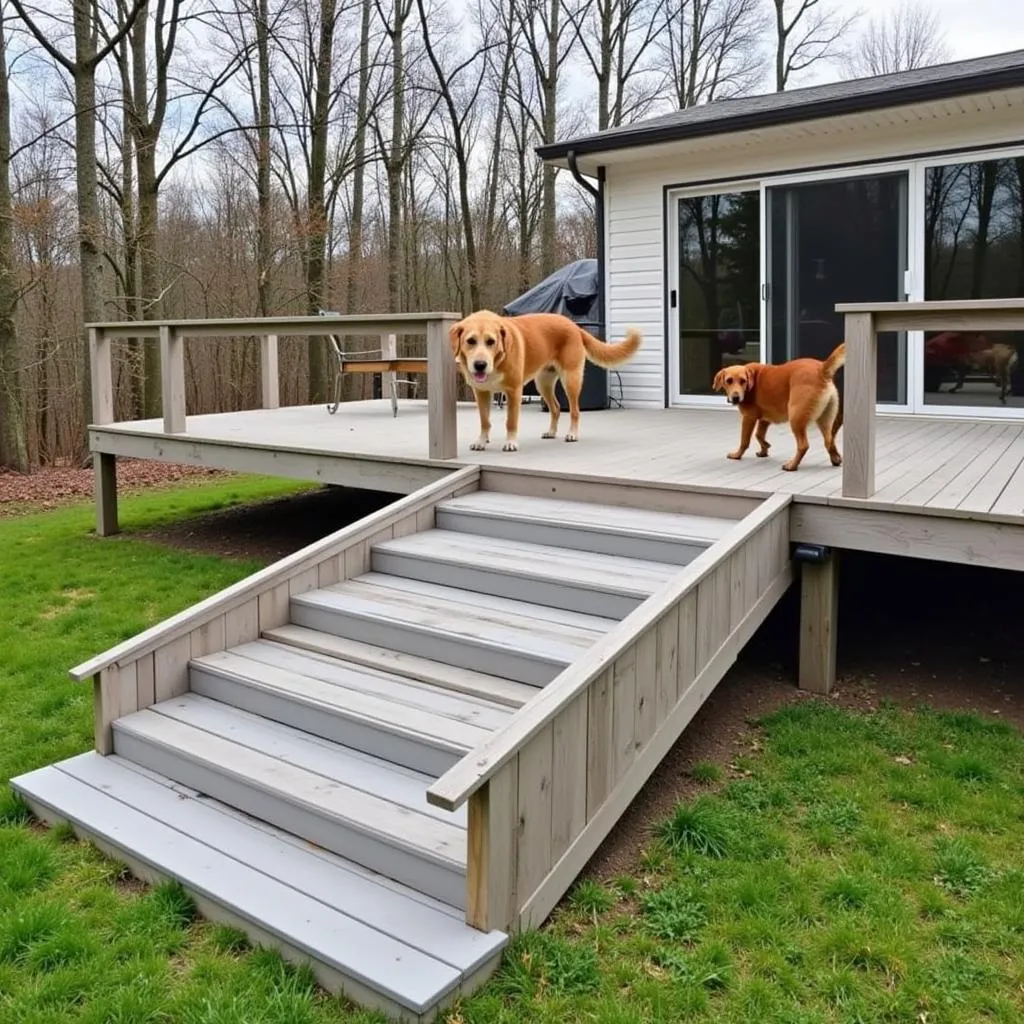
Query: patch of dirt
x=56 y=486
x=269 y=530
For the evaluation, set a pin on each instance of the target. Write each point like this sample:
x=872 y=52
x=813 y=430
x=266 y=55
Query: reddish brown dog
x=503 y=353
x=799 y=392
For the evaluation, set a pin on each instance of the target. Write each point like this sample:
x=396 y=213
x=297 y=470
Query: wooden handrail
x=442 y=380
x=252 y=586
x=456 y=786
x=864 y=322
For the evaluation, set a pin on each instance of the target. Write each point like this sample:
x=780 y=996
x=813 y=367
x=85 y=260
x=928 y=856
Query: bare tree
x=616 y=37
x=907 y=36
x=355 y=232
x=86 y=21
x=807 y=32
x=711 y=49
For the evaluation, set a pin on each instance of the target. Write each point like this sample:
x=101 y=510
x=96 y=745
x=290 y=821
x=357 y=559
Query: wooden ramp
x=386 y=752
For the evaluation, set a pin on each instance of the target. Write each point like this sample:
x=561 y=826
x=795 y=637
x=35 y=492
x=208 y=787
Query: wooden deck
x=932 y=465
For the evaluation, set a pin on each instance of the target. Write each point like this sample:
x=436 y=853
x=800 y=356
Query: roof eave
x=1003 y=78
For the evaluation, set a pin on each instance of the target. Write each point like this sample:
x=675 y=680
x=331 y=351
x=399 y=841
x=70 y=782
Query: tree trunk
x=548 y=225
x=355 y=235
x=395 y=163
x=13 y=449
x=264 y=223
x=149 y=267
x=316 y=211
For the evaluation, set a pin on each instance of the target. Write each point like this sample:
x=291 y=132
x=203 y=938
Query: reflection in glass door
x=830 y=242
x=718 y=312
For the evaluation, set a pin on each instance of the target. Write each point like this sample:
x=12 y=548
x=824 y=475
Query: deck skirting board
x=940 y=538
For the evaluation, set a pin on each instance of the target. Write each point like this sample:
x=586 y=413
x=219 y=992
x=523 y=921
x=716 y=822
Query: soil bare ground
x=911 y=632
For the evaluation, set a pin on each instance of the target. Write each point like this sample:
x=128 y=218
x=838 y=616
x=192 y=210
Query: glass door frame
x=672 y=367
x=914 y=277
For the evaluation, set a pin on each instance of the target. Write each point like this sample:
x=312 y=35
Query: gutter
x=598 y=194
x=835 y=106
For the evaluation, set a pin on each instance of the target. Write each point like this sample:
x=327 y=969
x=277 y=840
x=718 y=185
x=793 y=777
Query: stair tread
x=587 y=515
x=340 y=679
x=408 y=948
x=374 y=775
x=411 y=830
x=613 y=573
x=460 y=614
x=506 y=692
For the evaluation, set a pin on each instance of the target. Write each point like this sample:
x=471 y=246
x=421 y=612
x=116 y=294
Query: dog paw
x=761 y=455
x=510 y=446
x=735 y=455
x=478 y=446
x=571 y=436
x=789 y=467
x=837 y=460
x=548 y=434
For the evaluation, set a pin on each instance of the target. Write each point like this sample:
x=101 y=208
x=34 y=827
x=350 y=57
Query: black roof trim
x=791 y=108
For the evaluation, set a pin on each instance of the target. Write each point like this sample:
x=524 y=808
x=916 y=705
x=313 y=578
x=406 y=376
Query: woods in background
x=177 y=159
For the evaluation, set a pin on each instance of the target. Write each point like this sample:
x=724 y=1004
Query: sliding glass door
x=836 y=241
x=714 y=289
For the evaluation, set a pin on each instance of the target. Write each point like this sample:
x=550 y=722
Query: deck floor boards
x=677 y=446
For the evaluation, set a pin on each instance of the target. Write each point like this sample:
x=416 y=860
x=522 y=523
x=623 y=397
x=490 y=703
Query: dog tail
x=838 y=358
x=612 y=354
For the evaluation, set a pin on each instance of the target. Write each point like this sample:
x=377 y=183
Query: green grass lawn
x=862 y=868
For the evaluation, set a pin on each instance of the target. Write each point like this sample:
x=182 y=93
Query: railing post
x=442 y=390
x=172 y=379
x=388 y=350
x=269 y=378
x=491 y=852
x=859 y=406
x=101 y=358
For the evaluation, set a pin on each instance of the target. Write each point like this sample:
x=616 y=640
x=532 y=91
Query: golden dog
x=503 y=353
x=797 y=392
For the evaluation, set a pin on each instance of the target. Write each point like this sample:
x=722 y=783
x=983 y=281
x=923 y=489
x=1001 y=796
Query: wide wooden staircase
x=277 y=761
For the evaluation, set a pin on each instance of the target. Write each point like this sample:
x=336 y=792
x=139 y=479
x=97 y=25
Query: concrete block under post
x=819 y=612
x=105 y=493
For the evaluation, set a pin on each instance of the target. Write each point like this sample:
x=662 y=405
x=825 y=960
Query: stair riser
x=519 y=666
x=651 y=549
x=366 y=737
x=437 y=880
x=547 y=591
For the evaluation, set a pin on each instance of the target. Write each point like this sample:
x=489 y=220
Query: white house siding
x=635 y=182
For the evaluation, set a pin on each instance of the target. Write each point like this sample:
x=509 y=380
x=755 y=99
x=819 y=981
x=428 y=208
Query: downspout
x=598 y=194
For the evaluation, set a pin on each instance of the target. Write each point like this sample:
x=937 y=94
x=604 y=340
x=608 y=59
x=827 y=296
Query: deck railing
x=864 y=322
x=171 y=335
x=546 y=789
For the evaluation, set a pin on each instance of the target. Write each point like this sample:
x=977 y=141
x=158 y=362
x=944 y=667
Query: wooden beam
x=819 y=610
x=859 y=406
x=442 y=392
x=102 y=375
x=172 y=379
x=104 y=476
x=269 y=377
x=388 y=352
x=942 y=315
x=491 y=852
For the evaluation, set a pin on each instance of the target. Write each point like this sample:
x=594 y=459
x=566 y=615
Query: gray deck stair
x=388 y=946
x=309 y=787
x=518 y=640
x=287 y=789
x=606 y=529
x=609 y=586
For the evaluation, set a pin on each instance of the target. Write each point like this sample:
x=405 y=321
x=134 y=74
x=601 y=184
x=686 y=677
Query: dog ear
x=455 y=338
x=502 y=340
x=719 y=381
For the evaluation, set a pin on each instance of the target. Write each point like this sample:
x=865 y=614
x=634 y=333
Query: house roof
x=939 y=82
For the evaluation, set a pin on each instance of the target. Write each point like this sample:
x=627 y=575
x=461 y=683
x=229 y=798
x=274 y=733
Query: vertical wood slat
x=172 y=379
x=599 y=741
x=442 y=391
x=859 y=406
x=533 y=856
x=242 y=624
x=273 y=607
x=667 y=664
x=686 y=650
x=105 y=708
x=128 y=689
x=569 y=776
x=713 y=594
x=357 y=560
x=646 y=688
x=170 y=668
x=208 y=638
x=146 y=681
x=491 y=868
x=328 y=572
x=623 y=712
x=304 y=581
x=388 y=350
x=101 y=358
x=269 y=376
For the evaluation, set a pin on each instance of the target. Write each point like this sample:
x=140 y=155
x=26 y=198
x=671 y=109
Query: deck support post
x=105 y=708
x=172 y=370
x=442 y=392
x=491 y=852
x=104 y=475
x=859 y=406
x=269 y=377
x=819 y=609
